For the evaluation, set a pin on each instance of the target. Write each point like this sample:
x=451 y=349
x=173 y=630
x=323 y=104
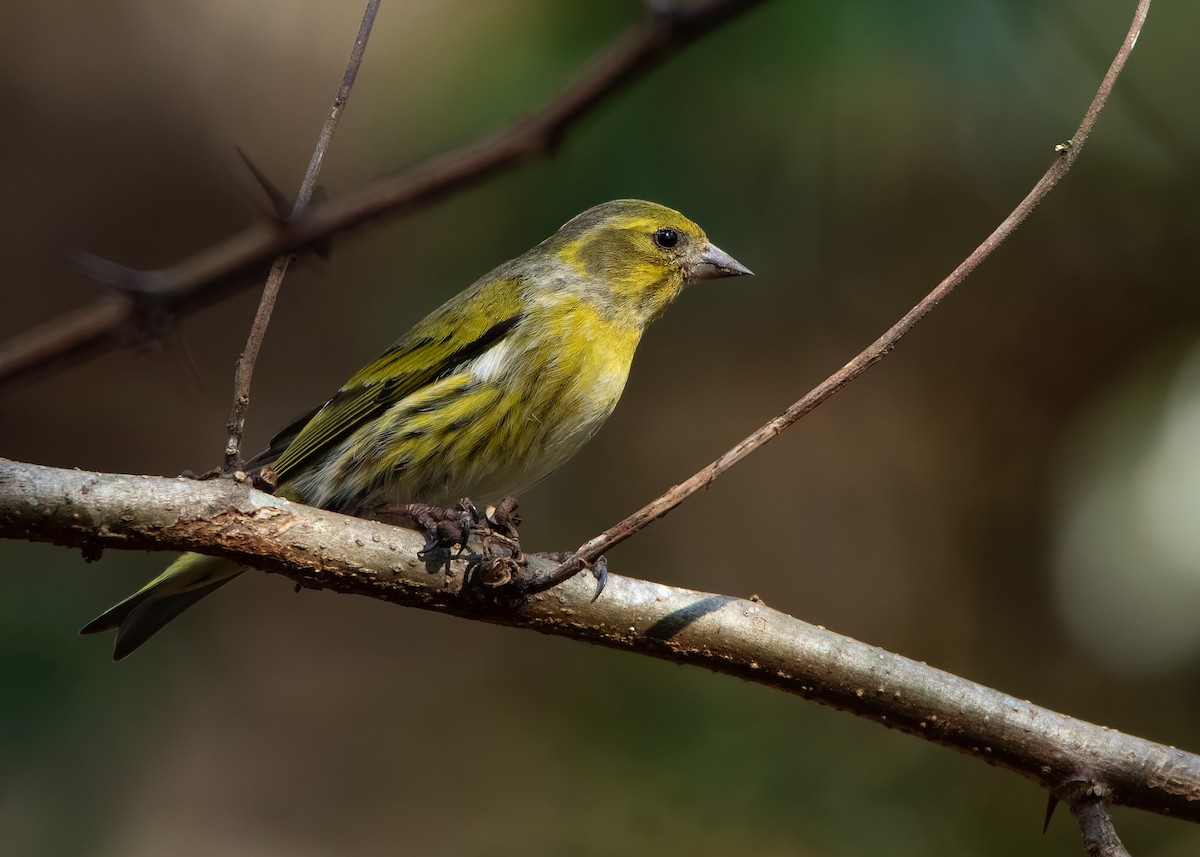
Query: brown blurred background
x=1013 y=495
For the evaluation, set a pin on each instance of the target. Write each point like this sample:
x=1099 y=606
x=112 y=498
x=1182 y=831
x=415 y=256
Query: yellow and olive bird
x=484 y=397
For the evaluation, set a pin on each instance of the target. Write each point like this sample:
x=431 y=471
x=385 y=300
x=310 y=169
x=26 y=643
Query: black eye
x=666 y=237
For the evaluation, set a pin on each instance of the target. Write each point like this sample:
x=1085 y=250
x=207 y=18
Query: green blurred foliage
x=851 y=154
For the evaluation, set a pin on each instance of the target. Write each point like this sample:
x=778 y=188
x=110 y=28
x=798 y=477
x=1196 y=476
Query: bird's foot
x=444 y=529
x=501 y=559
x=447 y=529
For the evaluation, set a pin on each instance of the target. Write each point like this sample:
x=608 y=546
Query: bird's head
x=636 y=256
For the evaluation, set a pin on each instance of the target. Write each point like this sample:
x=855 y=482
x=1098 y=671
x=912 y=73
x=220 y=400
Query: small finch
x=483 y=398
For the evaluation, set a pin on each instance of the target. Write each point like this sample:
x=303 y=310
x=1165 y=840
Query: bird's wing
x=457 y=332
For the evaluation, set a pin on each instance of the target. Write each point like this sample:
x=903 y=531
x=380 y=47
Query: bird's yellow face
x=636 y=256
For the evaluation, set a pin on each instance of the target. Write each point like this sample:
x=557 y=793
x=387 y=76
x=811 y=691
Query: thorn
x=281 y=206
x=118 y=278
x=1051 y=805
x=151 y=318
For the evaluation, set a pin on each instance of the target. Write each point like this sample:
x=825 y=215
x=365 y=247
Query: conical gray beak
x=715 y=263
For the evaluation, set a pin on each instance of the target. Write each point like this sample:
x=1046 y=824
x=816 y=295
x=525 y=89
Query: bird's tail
x=141 y=615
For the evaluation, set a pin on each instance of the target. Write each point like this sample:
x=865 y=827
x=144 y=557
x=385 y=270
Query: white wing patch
x=492 y=363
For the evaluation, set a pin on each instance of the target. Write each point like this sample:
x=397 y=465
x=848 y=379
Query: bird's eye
x=666 y=237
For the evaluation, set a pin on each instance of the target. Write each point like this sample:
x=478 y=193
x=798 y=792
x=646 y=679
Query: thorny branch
x=747 y=639
x=734 y=636
x=245 y=364
x=212 y=274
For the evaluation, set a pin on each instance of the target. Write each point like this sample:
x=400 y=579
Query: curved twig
x=1066 y=154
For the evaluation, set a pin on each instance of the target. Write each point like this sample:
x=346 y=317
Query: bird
x=484 y=397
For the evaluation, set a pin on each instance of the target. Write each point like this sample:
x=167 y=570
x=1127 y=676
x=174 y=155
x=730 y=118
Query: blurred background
x=1012 y=495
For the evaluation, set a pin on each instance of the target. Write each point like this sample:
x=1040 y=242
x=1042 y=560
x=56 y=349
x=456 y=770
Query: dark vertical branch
x=245 y=365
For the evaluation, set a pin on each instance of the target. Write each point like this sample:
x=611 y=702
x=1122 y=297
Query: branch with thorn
x=227 y=267
x=723 y=633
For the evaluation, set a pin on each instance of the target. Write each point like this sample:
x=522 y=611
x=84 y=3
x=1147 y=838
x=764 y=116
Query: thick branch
x=213 y=273
x=729 y=635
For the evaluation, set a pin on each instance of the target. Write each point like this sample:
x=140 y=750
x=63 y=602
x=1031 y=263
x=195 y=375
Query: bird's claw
x=598 y=567
x=599 y=570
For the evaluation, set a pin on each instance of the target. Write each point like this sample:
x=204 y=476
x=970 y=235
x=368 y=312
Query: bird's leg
x=443 y=528
x=496 y=528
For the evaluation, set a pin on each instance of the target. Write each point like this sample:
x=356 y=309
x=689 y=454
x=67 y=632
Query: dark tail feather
x=149 y=617
x=115 y=616
x=143 y=614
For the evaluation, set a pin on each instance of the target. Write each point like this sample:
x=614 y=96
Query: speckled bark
x=730 y=635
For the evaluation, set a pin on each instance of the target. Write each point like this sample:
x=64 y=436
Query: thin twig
x=212 y=274
x=1066 y=154
x=733 y=636
x=266 y=305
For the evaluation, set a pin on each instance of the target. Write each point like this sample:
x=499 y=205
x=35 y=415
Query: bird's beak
x=715 y=263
